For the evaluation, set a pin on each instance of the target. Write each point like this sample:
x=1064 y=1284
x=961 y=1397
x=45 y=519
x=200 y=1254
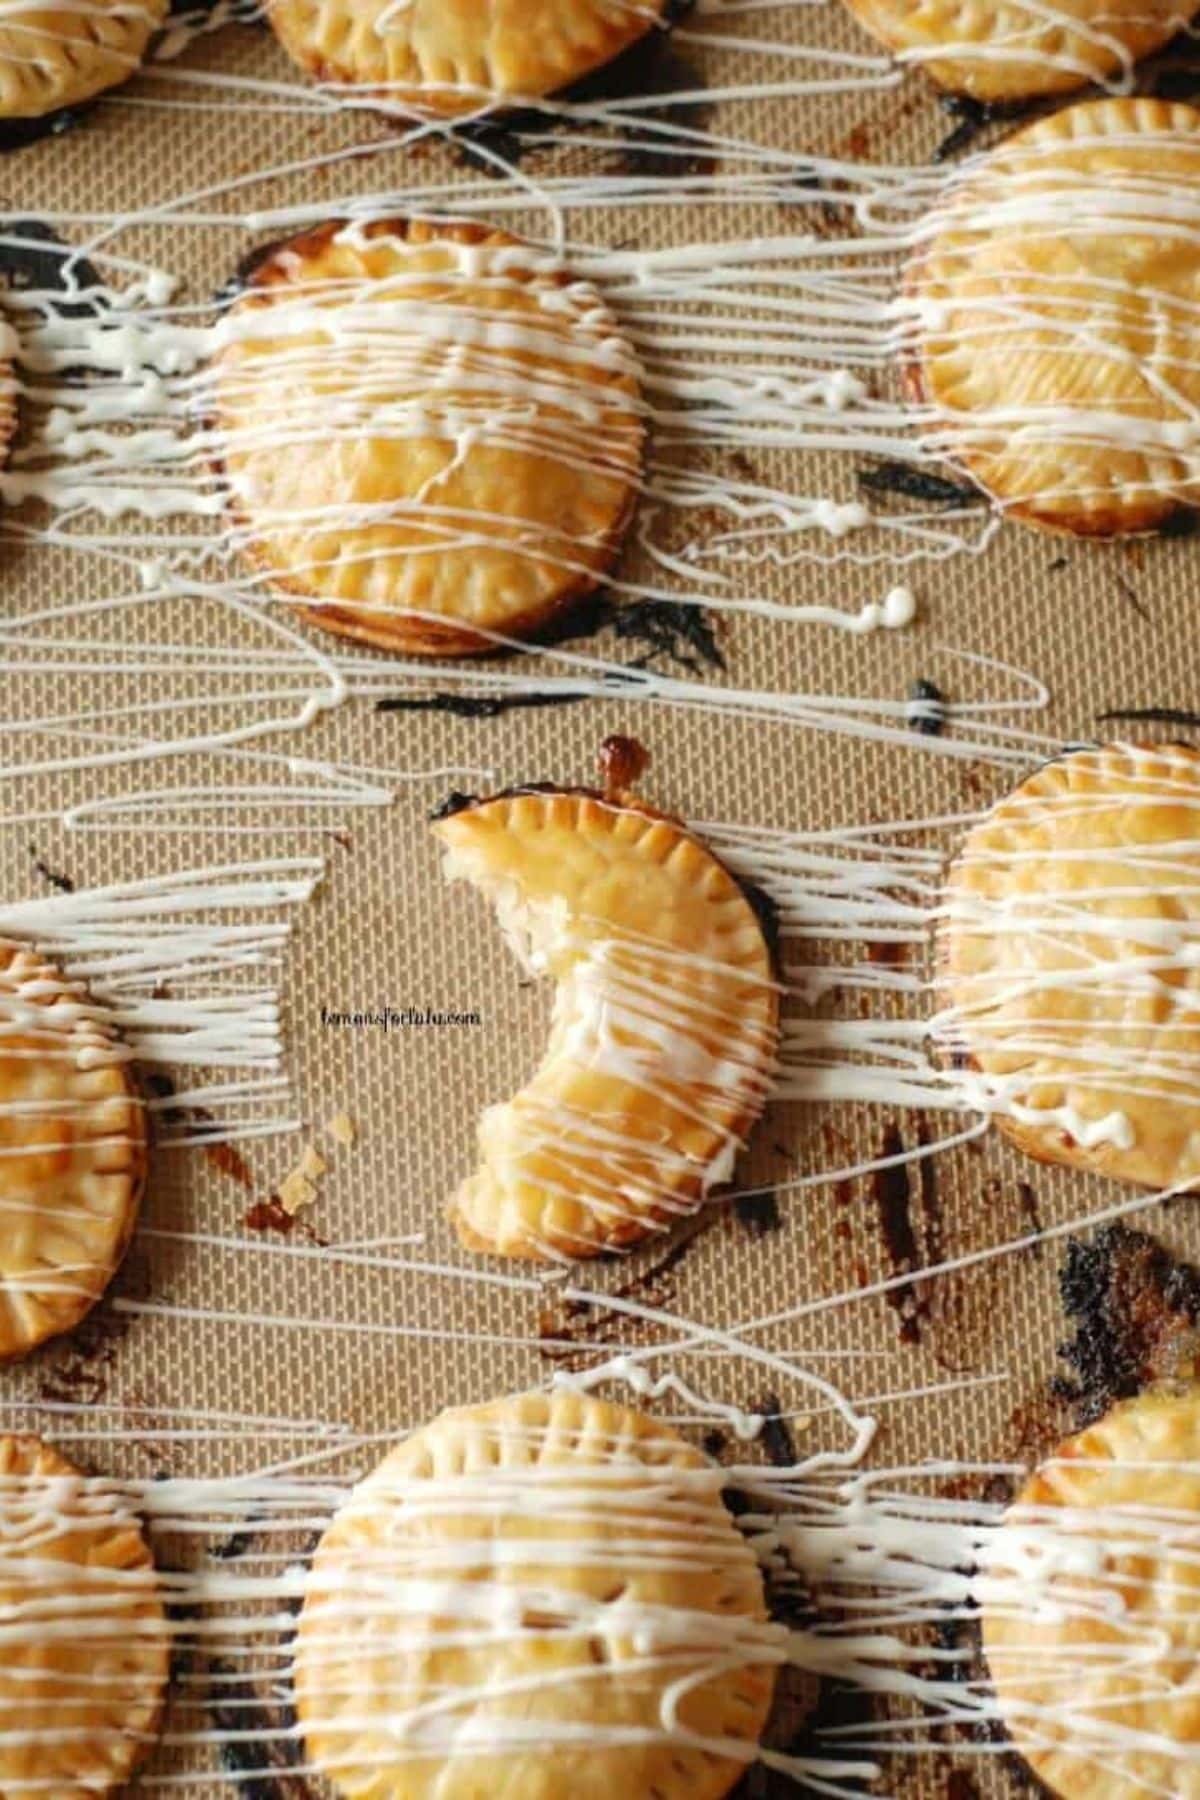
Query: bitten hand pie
x=56 y=56
x=1004 y=50
x=1091 y=1607
x=449 y=57
x=86 y=1646
x=429 y=432
x=1069 y=953
x=1053 y=315
x=540 y=1596
x=665 y=1025
x=72 y=1152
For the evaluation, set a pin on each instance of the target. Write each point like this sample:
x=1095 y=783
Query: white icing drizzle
x=865 y=1031
x=896 y=1038
x=172 y=967
x=118 y=464
x=126 y=444
x=881 y=1557
x=751 y=346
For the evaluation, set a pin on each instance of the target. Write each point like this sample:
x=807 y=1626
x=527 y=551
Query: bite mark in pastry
x=72 y=1152
x=56 y=56
x=665 y=1025
x=1091 y=1607
x=1005 y=50
x=1070 y=954
x=429 y=432
x=540 y=1596
x=448 y=57
x=86 y=1647
x=1053 y=312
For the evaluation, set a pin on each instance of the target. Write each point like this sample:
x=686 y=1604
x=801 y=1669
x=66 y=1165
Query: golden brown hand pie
x=1053 y=311
x=1070 y=949
x=72 y=1152
x=665 y=1025
x=429 y=432
x=86 y=1647
x=543 y=1596
x=1091 y=1607
x=55 y=56
x=1003 y=50
x=450 y=57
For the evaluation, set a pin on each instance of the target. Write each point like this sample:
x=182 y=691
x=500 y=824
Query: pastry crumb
x=341 y=1128
x=296 y=1191
x=312 y=1163
x=300 y=1187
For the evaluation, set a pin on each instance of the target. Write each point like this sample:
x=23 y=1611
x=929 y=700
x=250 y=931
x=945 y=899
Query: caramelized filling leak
x=622 y=761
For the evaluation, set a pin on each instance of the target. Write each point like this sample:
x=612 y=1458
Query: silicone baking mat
x=236 y=875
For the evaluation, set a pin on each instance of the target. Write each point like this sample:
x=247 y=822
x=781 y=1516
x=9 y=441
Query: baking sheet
x=222 y=1349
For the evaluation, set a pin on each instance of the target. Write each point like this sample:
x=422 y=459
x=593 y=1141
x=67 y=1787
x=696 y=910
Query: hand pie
x=1091 y=1607
x=429 y=432
x=86 y=1647
x=1069 y=952
x=1053 y=312
x=72 y=1152
x=541 y=1596
x=448 y=57
x=665 y=1026
x=56 y=56
x=1005 y=50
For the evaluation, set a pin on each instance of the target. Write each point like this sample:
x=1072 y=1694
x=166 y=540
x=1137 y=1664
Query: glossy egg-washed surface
x=253 y=1325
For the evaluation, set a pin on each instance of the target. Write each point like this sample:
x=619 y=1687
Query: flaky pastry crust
x=1091 y=1617
x=450 y=57
x=1052 y=315
x=1007 y=50
x=439 y=446
x=665 y=1026
x=86 y=1647
x=57 y=56
x=72 y=1152
x=1068 y=958
x=504 y=1609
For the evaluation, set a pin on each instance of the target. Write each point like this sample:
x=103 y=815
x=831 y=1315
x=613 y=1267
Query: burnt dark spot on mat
x=455 y=802
x=759 y=1212
x=840 y=1707
x=1183 y=522
x=776 y=1435
x=973 y=117
x=892 y=1190
x=495 y=144
x=262 y=1766
x=1153 y=715
x=573 y=1327
x=766 y=911
x=18 y=134
x=54 y=877
x=904 y=481
x=1135 y=1309
x=681 y=633
x=1030 y=1212
x=653 y=140
x=473 y=706
x=35 y=259
x=926 y=709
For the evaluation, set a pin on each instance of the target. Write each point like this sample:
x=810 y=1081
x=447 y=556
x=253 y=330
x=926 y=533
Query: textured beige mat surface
x=210 y=1316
